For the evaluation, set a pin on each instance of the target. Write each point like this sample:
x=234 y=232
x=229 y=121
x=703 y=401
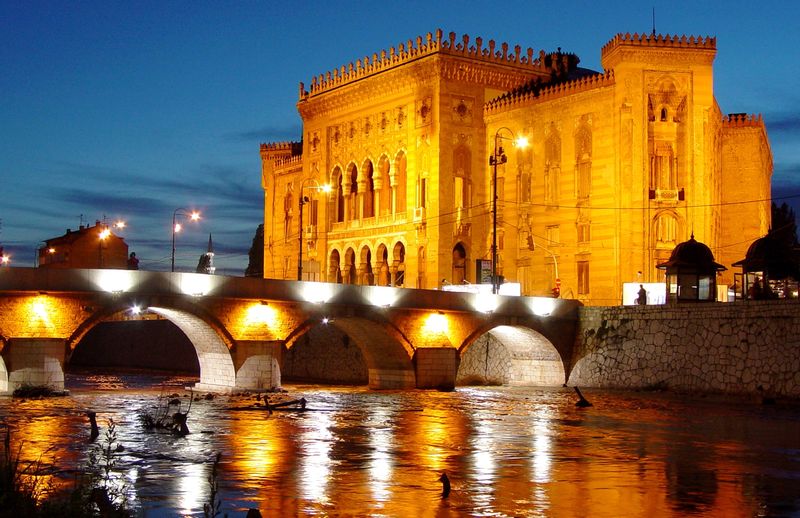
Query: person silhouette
x=133 y=262
x=641 y=299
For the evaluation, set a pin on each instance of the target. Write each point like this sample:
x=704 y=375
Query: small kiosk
x=769 y=270
x=691 y=273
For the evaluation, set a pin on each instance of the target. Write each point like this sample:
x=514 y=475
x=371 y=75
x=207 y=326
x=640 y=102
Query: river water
x=355 y=452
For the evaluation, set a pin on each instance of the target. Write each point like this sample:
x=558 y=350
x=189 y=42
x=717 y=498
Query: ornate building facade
x=622 y=166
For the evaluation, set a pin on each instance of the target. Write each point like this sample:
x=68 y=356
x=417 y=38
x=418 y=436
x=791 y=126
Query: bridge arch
x=510 y=354
x=387 y=354
x=211 y=341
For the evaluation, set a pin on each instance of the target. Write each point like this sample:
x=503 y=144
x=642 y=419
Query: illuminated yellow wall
x=623 y=166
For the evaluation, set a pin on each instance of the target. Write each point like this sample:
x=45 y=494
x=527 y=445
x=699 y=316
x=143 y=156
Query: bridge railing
x=203 y=285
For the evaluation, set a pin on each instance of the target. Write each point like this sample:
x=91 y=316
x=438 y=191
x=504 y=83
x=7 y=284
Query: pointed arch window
x=552 y=167
x=583 y=162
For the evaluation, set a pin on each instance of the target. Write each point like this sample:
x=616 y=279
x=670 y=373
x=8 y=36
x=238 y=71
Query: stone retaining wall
x=748 y=347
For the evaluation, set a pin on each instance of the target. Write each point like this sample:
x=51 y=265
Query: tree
x=255 y=266
x=784 y=226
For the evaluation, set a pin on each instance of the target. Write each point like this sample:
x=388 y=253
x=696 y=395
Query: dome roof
x=692 y=256
x=770 y=255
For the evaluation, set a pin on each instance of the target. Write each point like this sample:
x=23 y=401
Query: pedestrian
x=642 y=298
x=133 y=262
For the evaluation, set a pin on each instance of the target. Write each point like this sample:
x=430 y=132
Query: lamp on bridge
x=498 y=156
x=176 y=227
x=312 y=184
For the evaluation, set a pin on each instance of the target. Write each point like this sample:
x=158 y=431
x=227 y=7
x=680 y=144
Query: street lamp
x=176 y=227
x=303 y=200
x=499 y=157
x=532 y=245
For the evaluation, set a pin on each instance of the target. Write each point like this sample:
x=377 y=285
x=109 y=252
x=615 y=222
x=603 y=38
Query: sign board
x=483 y=271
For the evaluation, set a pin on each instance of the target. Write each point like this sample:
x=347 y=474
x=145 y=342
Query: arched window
x=367 y=275
x=461 y=175
x=334 y=268
x=399 y=184
x=552 y=166
x=338 y=198
x=459 y=264
x=288 y=207
x=384 y=277
x=349 y=276
x=399 y=264
x=665 y=230
x=385 y=192
x=369 y=191
x=351 y=192
x=421 y=268
x=583 y=162
x=663 y=167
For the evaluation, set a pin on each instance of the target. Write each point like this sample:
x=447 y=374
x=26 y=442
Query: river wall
x=747 y=347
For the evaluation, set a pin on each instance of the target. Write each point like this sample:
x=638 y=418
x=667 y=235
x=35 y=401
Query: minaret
x=209 y=266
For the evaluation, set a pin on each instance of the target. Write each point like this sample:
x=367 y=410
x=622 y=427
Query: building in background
x=622 y=166
x=88 y=247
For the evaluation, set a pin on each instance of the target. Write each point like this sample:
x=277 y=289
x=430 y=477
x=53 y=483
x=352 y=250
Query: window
x=583 y=277
x=524 y=187
x=461 y=174
x=338 y=198
x=553 y=235
x=583 y=162
x=584 y=232
x=369 y=194
x=663 y=167
x=399 y=178
x=552 y=167
x=352 y=199
x=287 y=212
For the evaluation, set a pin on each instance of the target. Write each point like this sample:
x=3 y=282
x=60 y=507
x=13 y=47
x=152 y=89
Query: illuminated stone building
x=88 y=247
x=623 y=165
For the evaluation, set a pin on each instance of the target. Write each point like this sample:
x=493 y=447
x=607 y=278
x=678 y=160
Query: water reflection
x=507 y=451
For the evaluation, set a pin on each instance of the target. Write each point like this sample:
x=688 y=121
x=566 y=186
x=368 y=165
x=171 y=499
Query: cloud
x=784 y=123
x=266 y=134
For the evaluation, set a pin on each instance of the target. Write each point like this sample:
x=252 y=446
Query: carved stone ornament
x=423 y=112
x=313 y=141
x=462 y=110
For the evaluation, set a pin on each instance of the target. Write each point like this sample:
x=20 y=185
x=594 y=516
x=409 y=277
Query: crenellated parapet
x=742 y=120
x=546 y=91
x=282 y=147
x=658 y=48
x=659 y=40
x=280 y=151
x=411 y=50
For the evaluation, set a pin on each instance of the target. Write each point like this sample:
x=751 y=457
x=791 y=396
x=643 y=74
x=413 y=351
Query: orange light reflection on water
x=36 y=443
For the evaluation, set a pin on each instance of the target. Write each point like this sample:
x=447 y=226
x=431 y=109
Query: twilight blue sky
x=133 y=109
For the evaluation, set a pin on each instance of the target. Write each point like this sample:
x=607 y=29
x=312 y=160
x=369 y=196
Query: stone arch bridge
x=241 y=327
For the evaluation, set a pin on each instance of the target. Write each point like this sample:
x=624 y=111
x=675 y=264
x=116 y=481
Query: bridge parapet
x=250 y=321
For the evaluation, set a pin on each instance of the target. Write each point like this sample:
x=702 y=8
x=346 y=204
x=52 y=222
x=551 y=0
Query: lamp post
x=555 y=263
x=303 y=200
x=176 y=227
x=498 y=156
